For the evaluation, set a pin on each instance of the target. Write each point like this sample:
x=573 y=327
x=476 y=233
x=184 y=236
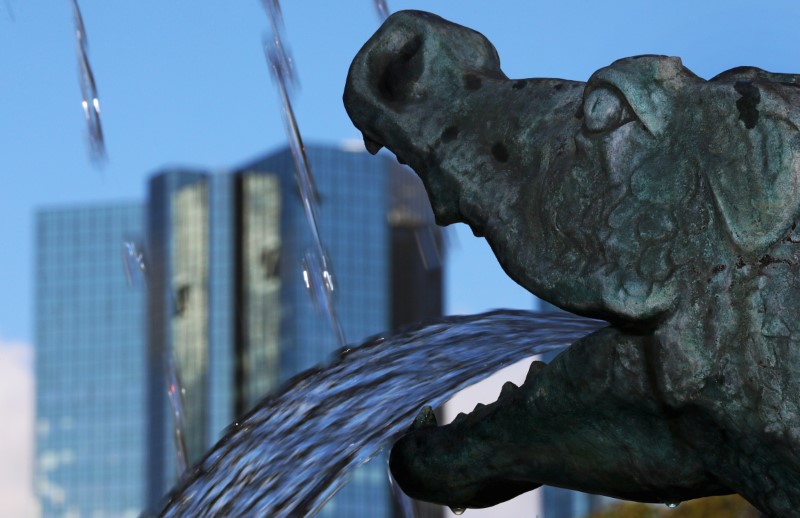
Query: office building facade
x=223 y=292
x=90 y=405
x=227 y=294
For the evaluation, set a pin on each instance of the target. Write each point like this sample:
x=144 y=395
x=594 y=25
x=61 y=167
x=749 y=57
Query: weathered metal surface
x=647 y=196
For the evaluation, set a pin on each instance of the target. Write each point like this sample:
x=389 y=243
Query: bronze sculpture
x=661 y=202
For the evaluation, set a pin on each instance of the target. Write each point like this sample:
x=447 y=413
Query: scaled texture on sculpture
x=647 y=196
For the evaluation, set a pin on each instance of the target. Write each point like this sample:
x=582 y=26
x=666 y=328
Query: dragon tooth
x=508 y=389
x=425 y=419
x=535 y=368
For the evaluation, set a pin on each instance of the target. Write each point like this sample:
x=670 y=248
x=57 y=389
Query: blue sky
x=185 y=83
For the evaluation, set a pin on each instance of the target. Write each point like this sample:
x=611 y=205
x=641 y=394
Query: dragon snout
x=413 y=64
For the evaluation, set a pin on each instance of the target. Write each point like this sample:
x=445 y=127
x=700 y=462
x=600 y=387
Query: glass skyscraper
x=227 y=294
x=90 y=406
x=224 y=292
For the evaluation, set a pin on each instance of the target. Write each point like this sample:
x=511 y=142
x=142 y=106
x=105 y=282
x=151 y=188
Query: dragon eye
x=604 y=110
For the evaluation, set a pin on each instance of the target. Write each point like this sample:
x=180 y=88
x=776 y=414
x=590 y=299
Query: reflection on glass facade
x=259 y=327
x=177 y=227
x=222 y=354
x=371 y=209
x=189 y=320
x=89 y=453
x=258 y=342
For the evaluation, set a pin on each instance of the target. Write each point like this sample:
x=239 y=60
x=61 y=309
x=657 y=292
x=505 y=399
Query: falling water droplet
x=458 y=510
x=136 y=270
x=282 y=57
x=317 y=272
x=133 y=263
x=429 y=246
x=175 y=395
x=319 y=281
x=672 y=505
x=90 y=101
x=382 y=9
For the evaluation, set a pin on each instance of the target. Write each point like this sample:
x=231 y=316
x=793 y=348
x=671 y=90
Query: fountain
x=647 y=196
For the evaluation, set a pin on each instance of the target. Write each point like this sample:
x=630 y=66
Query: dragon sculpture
x=661 y=202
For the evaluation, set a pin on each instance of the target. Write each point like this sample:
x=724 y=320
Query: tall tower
x=227 y=293
x=90 y=419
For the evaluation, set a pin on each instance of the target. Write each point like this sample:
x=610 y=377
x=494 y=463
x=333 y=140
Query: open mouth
x=426 y=441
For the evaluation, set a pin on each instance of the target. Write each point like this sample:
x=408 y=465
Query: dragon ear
x=754 y=166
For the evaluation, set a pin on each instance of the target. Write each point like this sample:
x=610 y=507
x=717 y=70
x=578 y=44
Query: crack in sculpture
x=661 y=202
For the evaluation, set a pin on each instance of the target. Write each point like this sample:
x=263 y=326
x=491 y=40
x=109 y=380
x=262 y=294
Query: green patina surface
x=647 y=196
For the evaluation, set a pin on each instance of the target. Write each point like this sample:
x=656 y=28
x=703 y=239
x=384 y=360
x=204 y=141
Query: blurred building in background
x=224 y=291
x=227 y=292
x=89 y=455
x=564 y=503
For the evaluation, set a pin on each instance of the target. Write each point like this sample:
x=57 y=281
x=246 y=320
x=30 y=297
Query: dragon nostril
x=472 y=82
x=500 y=152
x=400 y=71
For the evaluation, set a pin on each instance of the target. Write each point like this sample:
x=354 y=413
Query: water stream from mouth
x=291 y=454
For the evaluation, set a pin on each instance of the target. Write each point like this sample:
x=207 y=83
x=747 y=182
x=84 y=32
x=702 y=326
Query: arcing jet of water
x=290 y=454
